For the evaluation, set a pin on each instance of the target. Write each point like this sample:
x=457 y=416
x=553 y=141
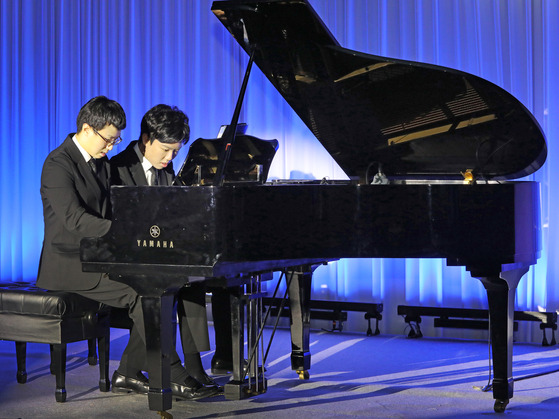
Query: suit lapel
x=167 y=175
x=137 y=173
x=91 y=185
x=103 y=177
x=134 y=166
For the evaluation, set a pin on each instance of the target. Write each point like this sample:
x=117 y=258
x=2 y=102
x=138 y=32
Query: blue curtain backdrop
x=56 y=54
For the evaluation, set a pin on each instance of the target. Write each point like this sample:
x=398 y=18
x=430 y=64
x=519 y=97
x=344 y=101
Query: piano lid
x=417 y=120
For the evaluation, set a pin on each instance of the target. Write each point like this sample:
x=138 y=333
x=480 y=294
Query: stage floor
x=352 y=375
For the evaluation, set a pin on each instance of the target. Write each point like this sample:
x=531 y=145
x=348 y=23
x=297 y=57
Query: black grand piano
x=430 y=152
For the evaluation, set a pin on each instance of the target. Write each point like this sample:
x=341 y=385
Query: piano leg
x=299 y=299
x=234 y=388
x=157 y=297
x=157 y=314
x=501 y=294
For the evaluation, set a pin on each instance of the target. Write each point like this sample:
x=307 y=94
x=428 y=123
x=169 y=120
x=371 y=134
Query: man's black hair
x=166 y=124
x=100 y=112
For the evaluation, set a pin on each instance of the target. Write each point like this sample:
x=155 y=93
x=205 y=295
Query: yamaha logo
x=154 y=231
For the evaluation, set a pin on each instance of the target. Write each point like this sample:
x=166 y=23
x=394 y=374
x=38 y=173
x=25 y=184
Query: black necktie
x=93 y=164
x=98 y=173
x=154 y=176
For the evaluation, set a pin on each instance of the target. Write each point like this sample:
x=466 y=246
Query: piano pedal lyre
x=256 y=385
x=164 y=414
x=252 y=380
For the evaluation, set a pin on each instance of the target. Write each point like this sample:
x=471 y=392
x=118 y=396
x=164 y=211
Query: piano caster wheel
x=303 y=374
x=164 y=415
x=500 y=405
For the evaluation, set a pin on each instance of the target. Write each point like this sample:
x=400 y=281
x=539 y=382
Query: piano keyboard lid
x=416 y=120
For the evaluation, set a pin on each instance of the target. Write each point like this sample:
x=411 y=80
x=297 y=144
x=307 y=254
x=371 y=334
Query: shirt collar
x=85 y=154
x=146 y=165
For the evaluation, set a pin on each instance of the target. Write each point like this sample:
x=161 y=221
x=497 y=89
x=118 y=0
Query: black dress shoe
x=124 y=384
x=221 y=366
x=191 y=389
x=207 y=381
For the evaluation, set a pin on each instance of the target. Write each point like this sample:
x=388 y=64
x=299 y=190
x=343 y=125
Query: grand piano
x=431 y=154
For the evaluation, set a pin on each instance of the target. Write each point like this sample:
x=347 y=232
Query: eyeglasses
x=109 y=142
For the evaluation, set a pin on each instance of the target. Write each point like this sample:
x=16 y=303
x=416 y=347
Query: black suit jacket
x=126 y=169
x=75 y=205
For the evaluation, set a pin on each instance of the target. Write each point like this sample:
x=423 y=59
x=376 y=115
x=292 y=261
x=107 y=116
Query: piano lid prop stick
x=231 y=130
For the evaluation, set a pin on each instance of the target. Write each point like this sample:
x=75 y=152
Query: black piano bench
x=32 y=314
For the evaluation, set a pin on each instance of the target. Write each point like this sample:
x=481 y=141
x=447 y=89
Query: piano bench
x=32 y=314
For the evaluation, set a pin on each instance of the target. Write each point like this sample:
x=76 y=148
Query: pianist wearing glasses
x=149 y=161
x=75 y=196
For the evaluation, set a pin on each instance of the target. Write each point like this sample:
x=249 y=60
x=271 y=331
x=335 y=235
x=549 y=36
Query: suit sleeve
x=67 y=194
x=115 y=173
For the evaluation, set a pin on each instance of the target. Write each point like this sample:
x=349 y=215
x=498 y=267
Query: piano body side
x=491 y=227
x=213 y=231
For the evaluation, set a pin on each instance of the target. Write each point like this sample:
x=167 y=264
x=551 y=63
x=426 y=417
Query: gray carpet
x=352 y=375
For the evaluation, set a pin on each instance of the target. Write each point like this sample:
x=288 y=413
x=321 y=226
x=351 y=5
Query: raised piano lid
x=417 y=120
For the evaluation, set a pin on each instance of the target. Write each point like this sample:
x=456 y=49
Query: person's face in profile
x=99 y=142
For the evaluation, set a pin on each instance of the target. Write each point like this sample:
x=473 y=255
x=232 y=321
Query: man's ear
x=145 y=139
x=85 y=127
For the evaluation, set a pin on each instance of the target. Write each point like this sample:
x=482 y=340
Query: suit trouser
x=221 y=313
x=116 y=294
x=193 y=319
